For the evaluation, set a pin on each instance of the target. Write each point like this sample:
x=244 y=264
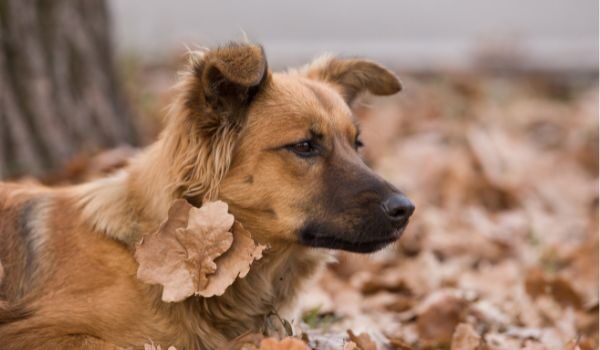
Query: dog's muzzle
x=382 y=225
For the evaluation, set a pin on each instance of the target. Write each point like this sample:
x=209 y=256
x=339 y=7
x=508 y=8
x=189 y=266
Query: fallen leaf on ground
x=400 y=344
x=439 y=314
x=350 y=346
x=533 y=345
x=465 y=338
x=288 y=343
x=362 y=340
x=194 y=252
x=538 y=283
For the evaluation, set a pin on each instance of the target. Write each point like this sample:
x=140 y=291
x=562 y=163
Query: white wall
x=415 y=33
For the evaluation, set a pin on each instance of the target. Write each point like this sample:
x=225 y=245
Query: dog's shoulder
x=19 y=233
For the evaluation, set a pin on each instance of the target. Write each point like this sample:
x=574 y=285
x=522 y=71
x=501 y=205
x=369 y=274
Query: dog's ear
x=224 y=82
x=354 y=76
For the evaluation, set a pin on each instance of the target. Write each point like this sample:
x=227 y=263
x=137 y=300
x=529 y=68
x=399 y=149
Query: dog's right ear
x=224 y=82
x=353 y=76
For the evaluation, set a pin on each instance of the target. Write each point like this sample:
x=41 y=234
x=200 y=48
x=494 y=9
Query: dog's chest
x=267 y=293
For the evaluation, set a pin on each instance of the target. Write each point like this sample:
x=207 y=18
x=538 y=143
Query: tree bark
x=59 y=93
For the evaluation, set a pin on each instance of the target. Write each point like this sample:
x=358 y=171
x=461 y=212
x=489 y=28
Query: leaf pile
x=502 y=251
x=197 y=251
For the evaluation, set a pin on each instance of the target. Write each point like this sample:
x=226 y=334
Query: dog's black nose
x=397 y=207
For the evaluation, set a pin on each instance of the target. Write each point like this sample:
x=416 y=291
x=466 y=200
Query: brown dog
x=279 y=148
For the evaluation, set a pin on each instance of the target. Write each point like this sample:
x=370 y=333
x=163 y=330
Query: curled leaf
x=234 y=263
x=206 y=237
x=465 y=338
x=363 y=341
x=288 y=343
x=153 y=346
x=181 y=254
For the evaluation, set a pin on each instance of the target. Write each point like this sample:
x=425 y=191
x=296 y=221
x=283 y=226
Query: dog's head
x=291 y=147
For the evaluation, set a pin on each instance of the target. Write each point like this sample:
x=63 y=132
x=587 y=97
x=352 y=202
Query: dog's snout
x=397 y=207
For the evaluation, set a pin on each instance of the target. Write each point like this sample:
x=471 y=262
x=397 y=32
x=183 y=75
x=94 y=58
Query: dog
x=280 y=148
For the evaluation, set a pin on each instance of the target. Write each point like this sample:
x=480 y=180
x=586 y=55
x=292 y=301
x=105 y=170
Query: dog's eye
x=304 y=149
x=358 y=144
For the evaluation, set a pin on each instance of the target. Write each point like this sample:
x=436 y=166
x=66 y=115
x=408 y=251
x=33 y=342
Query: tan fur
x=70 y=274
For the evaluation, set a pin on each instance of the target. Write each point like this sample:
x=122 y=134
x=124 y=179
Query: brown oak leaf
x=465 y=338
x=153 y=346
x=363 y=341
x=181 y=254
x=234 y=263
x=288 y=343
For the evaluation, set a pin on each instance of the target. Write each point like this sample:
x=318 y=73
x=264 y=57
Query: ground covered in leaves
x=502 y=251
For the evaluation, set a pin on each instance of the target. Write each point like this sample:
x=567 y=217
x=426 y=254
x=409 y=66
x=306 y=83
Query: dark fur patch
x=27 y=236
x=15 y=313
x=328 y=236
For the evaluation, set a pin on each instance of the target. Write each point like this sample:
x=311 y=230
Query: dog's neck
x=256 y=303
x=133 y=203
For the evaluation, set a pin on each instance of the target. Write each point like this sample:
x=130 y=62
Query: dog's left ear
x=354 y=76
x=225 y=81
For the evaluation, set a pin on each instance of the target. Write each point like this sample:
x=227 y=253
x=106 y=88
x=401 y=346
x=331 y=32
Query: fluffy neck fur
x=135 y=201
x=184 y=162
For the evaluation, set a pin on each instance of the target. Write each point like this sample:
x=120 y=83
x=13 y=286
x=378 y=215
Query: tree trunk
x=59 y=94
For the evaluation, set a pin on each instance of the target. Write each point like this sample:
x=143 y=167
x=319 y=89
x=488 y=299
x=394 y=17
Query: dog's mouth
x=313 y=237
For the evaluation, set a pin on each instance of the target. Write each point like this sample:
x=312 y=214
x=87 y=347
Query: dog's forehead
x=302 y=102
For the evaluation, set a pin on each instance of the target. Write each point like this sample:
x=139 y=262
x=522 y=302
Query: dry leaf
x=580 y=344
x=439 y=315
x=207 y=237
x=400 y=344
x=153 y=346
x=533 y=345
x=363 y=341
x=538 y=283
x=465 y=338
x=180 y=254
x=288 y=343
x=234 y=263
x=196 y=251
x=350 y=346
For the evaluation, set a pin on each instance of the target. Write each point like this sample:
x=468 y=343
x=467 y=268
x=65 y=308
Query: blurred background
x=413 y=35
x=494 y=137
